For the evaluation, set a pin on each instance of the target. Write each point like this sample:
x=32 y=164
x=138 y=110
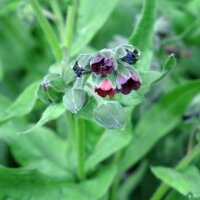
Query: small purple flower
x=78 y=70
x=102 y=65
x=129 y=84
x=131 y=57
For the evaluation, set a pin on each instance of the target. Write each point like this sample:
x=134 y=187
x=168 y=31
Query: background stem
x=163 y=188
x=70 y=24
x=59 y=18
x=114 y=187
x=47 y=30
x=80 y=150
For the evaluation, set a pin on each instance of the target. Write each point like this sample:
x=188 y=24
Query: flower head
x=129 y=84
x=102 y=65
x=105 y=89
x=131 y=57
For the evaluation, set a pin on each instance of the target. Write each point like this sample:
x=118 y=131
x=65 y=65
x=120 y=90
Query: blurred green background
x=25 y=57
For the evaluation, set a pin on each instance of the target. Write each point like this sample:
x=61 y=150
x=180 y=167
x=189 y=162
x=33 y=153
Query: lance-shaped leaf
x=22 y=105
x=23 y=184
x=159 y=120
x=187 y=183
x=90 y=20
x=168 y=67
x=142 y=36
x=52 y=112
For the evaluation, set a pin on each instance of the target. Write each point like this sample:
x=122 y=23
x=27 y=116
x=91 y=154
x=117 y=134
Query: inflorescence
x=112 y=70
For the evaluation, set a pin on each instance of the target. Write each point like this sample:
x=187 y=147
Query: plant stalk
x=70 y=24
x=59 y=18
x=114 y=187
x=79 y=131
x=163 y=188
x=51 y=37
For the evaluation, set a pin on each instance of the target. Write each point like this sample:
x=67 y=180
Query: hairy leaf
x=23 y=184
x=42 y=149
x=52 y=112
x=168 y=66
x=159 y=120
x=90 y=20
x=187 y=183
x=110 y=142
x=22 y=105
x=142 y=36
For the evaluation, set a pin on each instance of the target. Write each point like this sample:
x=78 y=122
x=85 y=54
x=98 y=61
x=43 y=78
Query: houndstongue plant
x=68 y=155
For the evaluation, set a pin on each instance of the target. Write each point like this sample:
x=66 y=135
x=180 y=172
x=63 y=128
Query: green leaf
x=38 y=150
x=75 y=99
x=52 y=112
x=132 y=181
x=110 y=115
x=8 y=6
x=4 y=103
x=22 y=105
x=90 y=20
x=1 y=70
x=159 y=120
x=174 y=195
x=23 y=184
x=187 y=183
x=168 y=67
x=110 y=142
x=142 y=36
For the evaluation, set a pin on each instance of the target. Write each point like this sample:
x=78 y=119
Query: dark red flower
x=102 y=65
x=105 y=89
x=129 y=84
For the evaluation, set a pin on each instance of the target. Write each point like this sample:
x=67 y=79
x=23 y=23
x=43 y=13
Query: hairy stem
x=59 y=18
x=47 y=30
x=192 y=138
x=114 y=187
x=70 y=24
x=163 y=188
x=79 y=131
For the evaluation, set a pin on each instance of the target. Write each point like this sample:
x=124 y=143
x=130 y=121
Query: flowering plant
x=89 y=126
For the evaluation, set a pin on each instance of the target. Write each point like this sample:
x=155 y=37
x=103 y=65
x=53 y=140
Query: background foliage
x=160 y=140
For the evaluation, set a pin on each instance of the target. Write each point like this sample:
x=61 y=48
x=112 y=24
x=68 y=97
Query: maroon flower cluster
x=103 y=66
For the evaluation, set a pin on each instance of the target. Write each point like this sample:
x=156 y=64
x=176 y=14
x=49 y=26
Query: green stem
x=163 y=188
x=114 y=187
x=47 y=30
x=59 y=18
x=70 y=24
x=80 y=150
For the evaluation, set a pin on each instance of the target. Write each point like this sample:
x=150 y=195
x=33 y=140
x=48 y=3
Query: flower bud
x=75 y=99
x=131 y=57
x=81 y=64
x=52 y=88
x=110 y=115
